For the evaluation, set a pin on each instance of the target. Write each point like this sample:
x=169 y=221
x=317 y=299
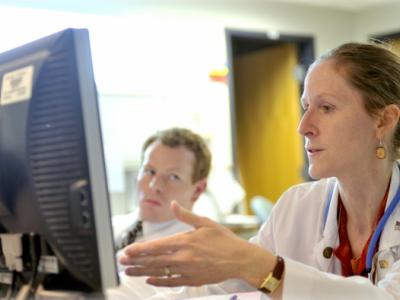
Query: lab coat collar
x=391 y=233
x=330 y=238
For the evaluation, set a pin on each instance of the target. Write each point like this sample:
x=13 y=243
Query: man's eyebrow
x=174 y=169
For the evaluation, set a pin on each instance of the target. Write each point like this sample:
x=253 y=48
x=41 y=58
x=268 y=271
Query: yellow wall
x=269 y=149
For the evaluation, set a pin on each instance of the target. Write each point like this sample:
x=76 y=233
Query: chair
x=261 y=207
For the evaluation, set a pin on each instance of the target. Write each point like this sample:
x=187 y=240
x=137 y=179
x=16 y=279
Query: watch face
x=272 y=281
x=270 y=285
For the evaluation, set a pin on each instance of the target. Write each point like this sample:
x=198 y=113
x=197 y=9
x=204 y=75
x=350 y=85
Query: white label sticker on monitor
x=16 y=86
x=48 y=264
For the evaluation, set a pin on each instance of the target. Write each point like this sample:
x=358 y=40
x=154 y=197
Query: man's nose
x=156 y=184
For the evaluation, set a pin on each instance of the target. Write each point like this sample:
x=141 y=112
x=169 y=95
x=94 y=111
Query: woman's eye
x=327 y=108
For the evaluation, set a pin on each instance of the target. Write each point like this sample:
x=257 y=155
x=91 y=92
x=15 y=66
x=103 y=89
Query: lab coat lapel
x=330 y=239
x=391 y=232
x=390 y=237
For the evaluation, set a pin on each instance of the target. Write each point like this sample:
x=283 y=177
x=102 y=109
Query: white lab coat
x=297 y=232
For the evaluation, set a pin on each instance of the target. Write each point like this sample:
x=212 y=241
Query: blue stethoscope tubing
x=379 y=228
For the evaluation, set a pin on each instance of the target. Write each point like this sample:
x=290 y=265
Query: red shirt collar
x=350 y=265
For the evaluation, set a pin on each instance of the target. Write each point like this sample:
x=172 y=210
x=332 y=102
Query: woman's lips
x=313 y=151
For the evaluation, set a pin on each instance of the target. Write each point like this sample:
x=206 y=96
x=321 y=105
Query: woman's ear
x=388 y=119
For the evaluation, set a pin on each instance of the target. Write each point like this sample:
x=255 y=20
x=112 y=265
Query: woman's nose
x=307 y=124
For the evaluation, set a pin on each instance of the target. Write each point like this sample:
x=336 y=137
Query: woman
x=321 y=237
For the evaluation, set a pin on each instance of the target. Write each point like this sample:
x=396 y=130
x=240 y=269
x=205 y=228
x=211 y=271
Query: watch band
x=273 y=279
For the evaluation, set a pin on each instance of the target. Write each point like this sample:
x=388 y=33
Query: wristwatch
x=273 y=279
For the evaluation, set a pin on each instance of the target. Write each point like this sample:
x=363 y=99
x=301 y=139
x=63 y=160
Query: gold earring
x=380 y=151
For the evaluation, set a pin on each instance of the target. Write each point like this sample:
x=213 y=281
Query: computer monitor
x=53 y=186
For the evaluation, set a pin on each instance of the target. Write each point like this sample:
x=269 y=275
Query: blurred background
x=230 y=70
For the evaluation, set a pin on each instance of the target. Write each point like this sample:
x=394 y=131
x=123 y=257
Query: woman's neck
x=362 y=195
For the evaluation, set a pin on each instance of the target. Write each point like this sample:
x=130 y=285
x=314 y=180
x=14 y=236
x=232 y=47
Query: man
x=175 y=165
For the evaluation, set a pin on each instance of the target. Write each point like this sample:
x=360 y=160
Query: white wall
x=329 y=26
x=377 y=20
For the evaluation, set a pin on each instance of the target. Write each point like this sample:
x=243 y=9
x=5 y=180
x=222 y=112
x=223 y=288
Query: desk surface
x=242 y=225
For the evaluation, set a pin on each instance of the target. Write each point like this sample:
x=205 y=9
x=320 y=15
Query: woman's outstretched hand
x=209 y=254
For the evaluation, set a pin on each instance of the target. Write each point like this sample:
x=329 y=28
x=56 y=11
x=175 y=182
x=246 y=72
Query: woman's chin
x=316 y=173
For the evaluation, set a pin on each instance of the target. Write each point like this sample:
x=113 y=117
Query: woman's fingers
x=168 y=271
x=153 y=261
x=156 y=247
x=141 y=271
x=196 y=221
x=174 y=281
x=209 y=254
x=186 y=216
x=166 y=276
x=174 y=242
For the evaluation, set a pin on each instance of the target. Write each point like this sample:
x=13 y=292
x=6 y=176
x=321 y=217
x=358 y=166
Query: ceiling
x=119 y=6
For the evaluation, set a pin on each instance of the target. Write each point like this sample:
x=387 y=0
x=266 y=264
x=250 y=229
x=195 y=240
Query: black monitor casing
x=52 y=173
